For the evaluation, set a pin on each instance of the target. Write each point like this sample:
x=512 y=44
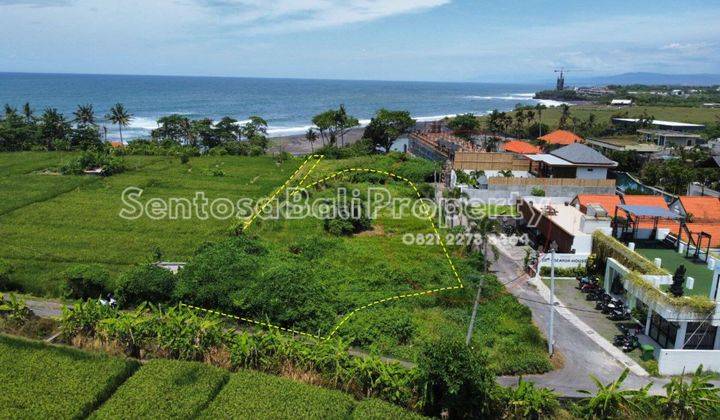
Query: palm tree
x=483 y=227
x=539 y=108
x=311 y=136
x=119 y=115
x=28 y=113
x=84 y=115
x=564 y=116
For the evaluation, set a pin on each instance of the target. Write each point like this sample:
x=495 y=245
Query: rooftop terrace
x=671 y=260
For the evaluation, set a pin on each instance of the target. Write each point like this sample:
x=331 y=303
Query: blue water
x=287 y=104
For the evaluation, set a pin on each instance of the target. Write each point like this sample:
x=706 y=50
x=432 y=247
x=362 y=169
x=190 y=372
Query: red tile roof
x=563 y=137
x=645 y=200
x=517 y=146
x=712 y=229
x=608 y=202
x=703 y=209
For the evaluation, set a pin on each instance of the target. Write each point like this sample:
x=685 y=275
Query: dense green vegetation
x=176 y=134
x=40 y=381
x=77 y=239
x=164 y=389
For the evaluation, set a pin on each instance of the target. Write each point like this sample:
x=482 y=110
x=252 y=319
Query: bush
x=5 y=270
x=86 y=282
x=537 y=192
x=527 y=402
x=386 y=327
x=109 y=164
x=147 y=283
x=288 y=294
x=374 y=409
x=165 y=389
x=347 y=219
x=455 y=377
x=218 y=271
x=42 y=381
x=579 y=271
x=256 y=395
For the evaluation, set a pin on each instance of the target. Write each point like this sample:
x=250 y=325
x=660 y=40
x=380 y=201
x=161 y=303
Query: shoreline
x=296 y=144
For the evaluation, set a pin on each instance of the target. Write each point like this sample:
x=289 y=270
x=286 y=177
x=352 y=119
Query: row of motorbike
x=615 y=310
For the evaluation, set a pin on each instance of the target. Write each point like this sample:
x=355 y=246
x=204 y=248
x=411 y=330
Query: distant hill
x=650 y=79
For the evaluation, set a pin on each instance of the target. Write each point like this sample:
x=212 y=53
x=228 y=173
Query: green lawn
x=41 y=381
x=671 y=260
x=80 y=224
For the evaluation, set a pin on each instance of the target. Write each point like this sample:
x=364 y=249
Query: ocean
x=287 y=104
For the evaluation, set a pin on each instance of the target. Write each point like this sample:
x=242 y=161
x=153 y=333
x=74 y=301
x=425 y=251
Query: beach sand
x=297 y=145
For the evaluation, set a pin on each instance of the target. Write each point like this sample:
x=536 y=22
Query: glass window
x=700 y=335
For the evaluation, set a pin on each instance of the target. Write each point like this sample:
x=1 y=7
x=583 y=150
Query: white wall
x=563 y=260
x=582 y=244
x=591 y=173
x=673 y=362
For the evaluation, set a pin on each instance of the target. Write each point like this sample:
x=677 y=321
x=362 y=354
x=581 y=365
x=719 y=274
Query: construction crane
x=560 y=85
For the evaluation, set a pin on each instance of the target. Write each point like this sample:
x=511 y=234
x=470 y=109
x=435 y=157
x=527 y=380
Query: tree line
x=51 y=130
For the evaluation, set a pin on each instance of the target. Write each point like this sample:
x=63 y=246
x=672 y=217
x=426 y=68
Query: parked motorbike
x=611 y=306
x=630 y=345
x=620 y=315
x=583 y=281
x=596 y=294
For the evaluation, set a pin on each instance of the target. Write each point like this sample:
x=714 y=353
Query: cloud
x=275 y=16
x=688 y=47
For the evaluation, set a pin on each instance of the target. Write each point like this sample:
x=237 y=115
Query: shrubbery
x=146 y=283
x=85 y=282
x=455 y=377
x=578 y=271
x=385 y=327
x=347 y=219
x=216 y=273
x=108 y=163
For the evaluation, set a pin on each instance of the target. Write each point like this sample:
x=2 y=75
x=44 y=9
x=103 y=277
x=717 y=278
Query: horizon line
x=269 y=78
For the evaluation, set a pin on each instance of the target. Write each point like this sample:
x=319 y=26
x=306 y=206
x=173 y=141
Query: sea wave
x=146 y=124
x=507 y=97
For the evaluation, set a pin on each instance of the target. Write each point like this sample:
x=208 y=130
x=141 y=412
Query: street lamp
x=551 y=339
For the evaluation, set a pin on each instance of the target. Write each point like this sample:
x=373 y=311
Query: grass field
x=165 y=389
x=52 y=221
x=551 y=116
x=265 y=396
x=40 y=381
x=43 y=237
x=44 y=381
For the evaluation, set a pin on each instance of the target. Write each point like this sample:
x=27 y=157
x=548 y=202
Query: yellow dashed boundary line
x=279 y=190
x=377 y=302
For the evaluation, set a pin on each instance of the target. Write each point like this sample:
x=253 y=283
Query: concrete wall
x=674 y=362
x=591 y=173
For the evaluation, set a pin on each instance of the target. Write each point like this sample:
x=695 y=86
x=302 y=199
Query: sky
x=436 y=40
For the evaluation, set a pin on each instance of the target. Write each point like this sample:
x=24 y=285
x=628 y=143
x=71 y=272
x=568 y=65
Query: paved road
x=580 y=355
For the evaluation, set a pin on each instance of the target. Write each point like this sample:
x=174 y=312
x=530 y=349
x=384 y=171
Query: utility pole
x=552 y=301
x=471 y=327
